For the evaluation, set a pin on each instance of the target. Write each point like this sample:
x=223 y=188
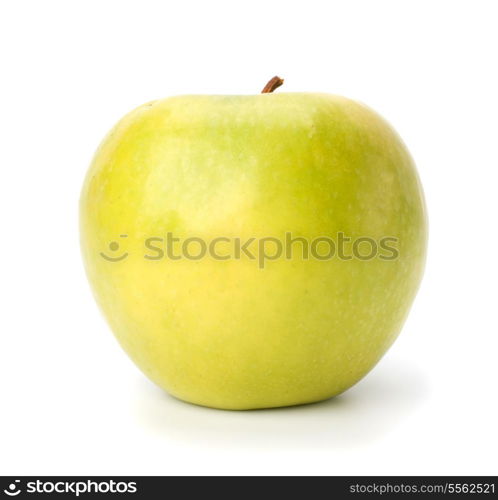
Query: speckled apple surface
x=227 y=334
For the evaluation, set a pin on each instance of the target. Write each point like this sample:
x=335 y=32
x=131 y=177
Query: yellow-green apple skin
x=227 y=333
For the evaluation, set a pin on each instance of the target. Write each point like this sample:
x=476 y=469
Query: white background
x=72 y=402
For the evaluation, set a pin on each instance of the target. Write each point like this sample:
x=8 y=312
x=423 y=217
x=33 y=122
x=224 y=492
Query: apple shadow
x=375 y=406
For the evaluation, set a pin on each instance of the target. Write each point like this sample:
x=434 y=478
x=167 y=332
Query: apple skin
x=227 y=334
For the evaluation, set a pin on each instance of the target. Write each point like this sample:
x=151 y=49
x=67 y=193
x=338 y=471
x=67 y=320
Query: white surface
x=72 y=402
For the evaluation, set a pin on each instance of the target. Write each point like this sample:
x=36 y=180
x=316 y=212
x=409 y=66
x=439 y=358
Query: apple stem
x=273 y=84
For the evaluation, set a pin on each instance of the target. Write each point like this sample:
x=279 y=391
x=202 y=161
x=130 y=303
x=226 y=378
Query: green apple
x=237 y=332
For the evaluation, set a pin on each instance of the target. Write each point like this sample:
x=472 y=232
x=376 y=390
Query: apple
x=256 y=328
